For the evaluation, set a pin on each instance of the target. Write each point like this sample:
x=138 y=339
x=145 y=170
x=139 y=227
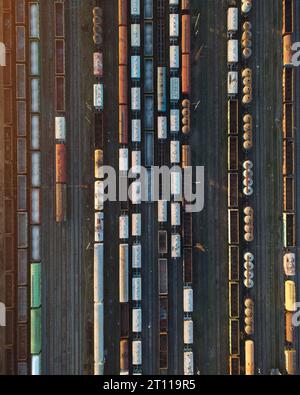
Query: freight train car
x=290 y=361
x=288 y=17
x=249 y=357
x=123 y=273
x=288 y=84
x=234 y=300
x=233 y=116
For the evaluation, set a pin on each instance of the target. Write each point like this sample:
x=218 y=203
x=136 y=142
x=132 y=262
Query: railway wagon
x=187 y=266
x=123 y=124
x=288 y=17
x=36 y=363
x=175 y=246
x=175 y=152
x=137 y=320
x=136 y=288
x=136 y=353
x=162 y=242
x=98 y=97
x=60 y=93
x=175 y=214
x=98 y=273
x=289 y=231
x=288 y=84
x=162 y=127
x=290 y=361
x=123 y=85
x=188 y=363
x=185 y=5
x=122 y=12
x=163 y=314
x=124 y=357
x=173 y=26
x=135 y=35
x=36 y=331
x=232 y=51
x=136 y=99
x=136 y=130
x=136 y=225
x=174 y=120
x=233 y=190
x=289 y=264
x=174 y=56
x=174 y=89
x=233 y=226
x=149 y=149
x=124 y=321
x=123 y=160
x=234 y=300
x=234 y=263
x=124 y=227
x=60 y=163
x=99 y=334
x=60 y=56
x=233 y=154
x=162 y=211
x=98 y=64
x=187 y=230
x=188 y=332
x=35 y=274
x=99 y=164
x=287 y=50
x=288 y=194
x=288 y=121
x=60 y=128
x=186 y=74
x=288 y=158
x=99 y=131
x=148 y=39
x=290 y=296
x=163 y=351
x=135 y=7
x=123 y=274
x=232 y=20
x=186 y=154
x=161 y=89
x=136 y=256
x=232 y=83
x=148 y=75
x=163 y=276
x=99 y=227
x=249 y=357
x=61 y=202
x=234 y=340
x=186 y=34
x=289 y=328
x=188 y=300
x=123 y=46
x=59 y=19
x=233 y=116
x=22 y=342
x=135 y=68
x=234 y=365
